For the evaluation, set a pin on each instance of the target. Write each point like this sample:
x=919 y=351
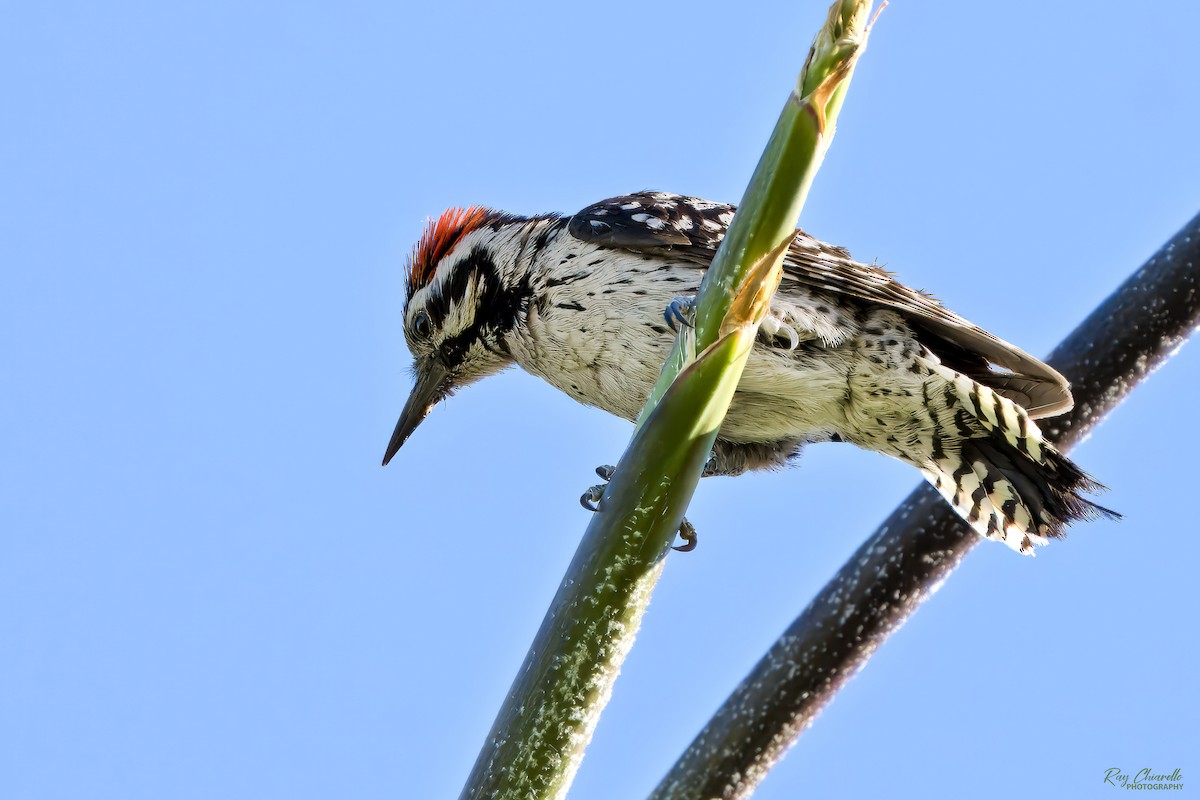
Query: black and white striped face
x=460 y=317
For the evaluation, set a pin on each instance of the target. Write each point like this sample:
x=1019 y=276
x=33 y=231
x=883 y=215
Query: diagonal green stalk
x=539 y=736
x=779 y=186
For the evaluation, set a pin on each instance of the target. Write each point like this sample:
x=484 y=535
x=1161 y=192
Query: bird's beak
x=433 y=384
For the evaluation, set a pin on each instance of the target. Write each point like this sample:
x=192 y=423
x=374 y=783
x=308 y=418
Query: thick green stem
x=547 y=719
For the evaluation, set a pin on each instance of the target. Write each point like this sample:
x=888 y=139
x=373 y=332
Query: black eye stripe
x=453 y=289
x=496 y=306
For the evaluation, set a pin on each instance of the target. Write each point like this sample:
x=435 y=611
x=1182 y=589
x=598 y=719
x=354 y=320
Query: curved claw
x=679 y=312
x=606 y=471
x=687 y=532
x=591 y=498
x=773 y=331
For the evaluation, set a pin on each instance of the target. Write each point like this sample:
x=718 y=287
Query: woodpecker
x=846 y=354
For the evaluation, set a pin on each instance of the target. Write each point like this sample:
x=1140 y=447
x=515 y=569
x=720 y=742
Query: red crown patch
x=438 y=240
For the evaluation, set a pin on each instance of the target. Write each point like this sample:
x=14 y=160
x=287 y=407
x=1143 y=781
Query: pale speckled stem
x=1142 y=324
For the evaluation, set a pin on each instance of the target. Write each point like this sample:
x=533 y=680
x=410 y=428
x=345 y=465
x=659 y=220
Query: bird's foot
x=687 y=532
x=592 y=497
x=680 y=311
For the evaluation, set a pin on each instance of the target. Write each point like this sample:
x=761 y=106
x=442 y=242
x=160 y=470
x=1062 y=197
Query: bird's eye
x=422 y=325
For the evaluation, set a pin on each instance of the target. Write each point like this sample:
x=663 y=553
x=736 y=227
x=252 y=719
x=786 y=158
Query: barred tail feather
x=1007 y=496
x=1006 y=480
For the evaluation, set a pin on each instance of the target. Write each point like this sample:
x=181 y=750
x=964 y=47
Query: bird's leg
x=680 y=311
x=592 y=497
x=735 y=458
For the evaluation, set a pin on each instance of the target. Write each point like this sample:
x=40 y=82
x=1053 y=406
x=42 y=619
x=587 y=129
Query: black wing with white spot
x=692 y=230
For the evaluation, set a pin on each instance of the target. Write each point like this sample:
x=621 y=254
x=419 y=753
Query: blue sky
x=208 y=586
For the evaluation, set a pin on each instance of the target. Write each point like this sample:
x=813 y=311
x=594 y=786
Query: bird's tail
x=1005 y=479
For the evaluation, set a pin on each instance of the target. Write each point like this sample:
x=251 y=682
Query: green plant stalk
x=780 y=183
x=538 y=739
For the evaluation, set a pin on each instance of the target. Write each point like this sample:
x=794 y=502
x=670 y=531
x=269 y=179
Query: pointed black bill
x=432 y=385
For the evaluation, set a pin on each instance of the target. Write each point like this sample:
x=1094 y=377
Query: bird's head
x=457 y=309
